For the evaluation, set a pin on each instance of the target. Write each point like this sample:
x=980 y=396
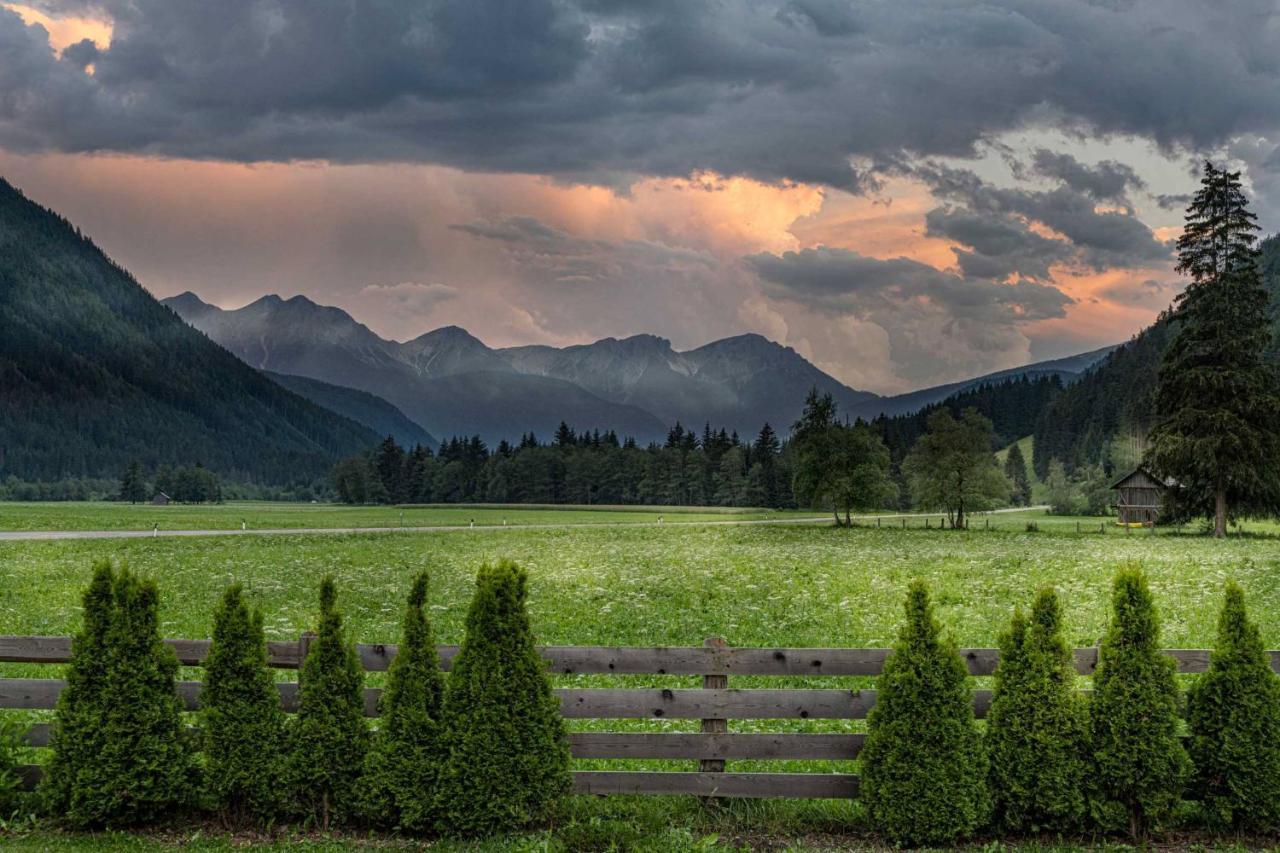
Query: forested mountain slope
x=372 y=411
x=1116 y=397
x=95 y=373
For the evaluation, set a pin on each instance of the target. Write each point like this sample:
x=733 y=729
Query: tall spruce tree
x=924 y=769
x=508 y=752
x=242 y=719
x=399 y=784
x=1233 y=712
x=80 y=719
x=329 y=737
x=1038 y=726
x=146 y=766
x=1015 y=469
x=1217 y=403
x=1140 y=765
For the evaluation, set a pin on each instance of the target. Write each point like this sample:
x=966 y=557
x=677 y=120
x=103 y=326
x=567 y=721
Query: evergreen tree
x=145 y=767
x=399 y=784
x=389 y=462
x=132 y=487
x=1217 y=398
x=242 y=719
x=924 y=769
x=1062 y=493
x=329 y=737
x=1015 y=469
x=508 y=751
x=1233 y=712
x=1037 y=728
x=1140 y=765
x=80 y=718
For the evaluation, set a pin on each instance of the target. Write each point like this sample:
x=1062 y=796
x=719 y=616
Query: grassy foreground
x=643 y=585
x=262 y=515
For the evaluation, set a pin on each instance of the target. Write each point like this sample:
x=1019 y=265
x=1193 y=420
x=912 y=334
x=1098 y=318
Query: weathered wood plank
x=758 y=785
x=621 y=660
x=677 y=746
x=621 y=703
x=798 y=785
x=695 y=704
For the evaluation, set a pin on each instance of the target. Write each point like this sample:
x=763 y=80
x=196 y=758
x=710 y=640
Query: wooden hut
x=161 y=499
x=1140 y=496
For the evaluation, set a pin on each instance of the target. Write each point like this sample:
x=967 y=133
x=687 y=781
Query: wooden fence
x=714 y=704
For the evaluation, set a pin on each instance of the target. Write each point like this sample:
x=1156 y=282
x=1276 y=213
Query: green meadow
x=644 y=584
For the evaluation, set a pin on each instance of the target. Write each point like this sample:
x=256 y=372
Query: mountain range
x=95 y=374
x=450 y=383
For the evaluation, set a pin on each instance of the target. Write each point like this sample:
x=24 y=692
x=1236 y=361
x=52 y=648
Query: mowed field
x=765 y=585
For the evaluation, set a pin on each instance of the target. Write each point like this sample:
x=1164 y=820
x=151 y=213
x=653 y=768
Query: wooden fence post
x=304 y=648
x=717 y=681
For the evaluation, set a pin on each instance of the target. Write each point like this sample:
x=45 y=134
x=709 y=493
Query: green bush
x=1233 y=712
x=329 y=737
x=1037 y=728
x=145 y=767
x=1140 y=765
x=508 y=752
x=924 y=769
x=15 y=801
x=400 y=773
x=80 y=718
x=241 y=715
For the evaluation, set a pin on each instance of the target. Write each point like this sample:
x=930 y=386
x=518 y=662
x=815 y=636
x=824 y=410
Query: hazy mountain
x=446 y=381
x=1067 y=369
x=95 y=373
x=362 y=407
x=449 y=382
x=739 y=383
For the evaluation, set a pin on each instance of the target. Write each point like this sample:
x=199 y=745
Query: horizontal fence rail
x=715 y=704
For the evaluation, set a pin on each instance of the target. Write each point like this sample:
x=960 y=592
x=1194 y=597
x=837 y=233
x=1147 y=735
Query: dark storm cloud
x=844 y=280
x=596 y=88
x=1092 y=237
x=1106 y=181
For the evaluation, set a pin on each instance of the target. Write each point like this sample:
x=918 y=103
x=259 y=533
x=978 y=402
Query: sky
x=907 y=192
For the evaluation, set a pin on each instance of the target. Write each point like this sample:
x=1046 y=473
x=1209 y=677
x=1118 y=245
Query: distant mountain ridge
x=96 y=374
x=450 y=383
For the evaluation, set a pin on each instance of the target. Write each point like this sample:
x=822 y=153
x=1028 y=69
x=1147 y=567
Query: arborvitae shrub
x=1037 y=728
x=329 y=737
x=242 y=718
x=924 y=769
x=1233 y=712
x=81 y=715
x=1140 y=765
x=145 y=767
x=399 y=783
x=508 y=752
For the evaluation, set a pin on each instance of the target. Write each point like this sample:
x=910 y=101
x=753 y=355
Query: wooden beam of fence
x=622 y=660
x=602 y=703
x=671 y=746
x=606 y=782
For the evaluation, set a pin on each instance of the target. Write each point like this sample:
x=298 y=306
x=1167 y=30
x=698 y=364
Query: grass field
x=792 y=585
x=260 y=515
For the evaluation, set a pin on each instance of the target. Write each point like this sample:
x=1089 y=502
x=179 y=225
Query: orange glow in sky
x=66 y=30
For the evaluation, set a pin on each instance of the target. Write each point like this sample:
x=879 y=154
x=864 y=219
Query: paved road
x=28 y=535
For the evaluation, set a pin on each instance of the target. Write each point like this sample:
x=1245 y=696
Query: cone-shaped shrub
x=146 y=766
x=1038 y=725
x=242 y=718
x=1234 y=715
x=399 y=783
x=924 y=770
x=1140 y=765
x=81 y=715
x=329 y=737
x=508 y=751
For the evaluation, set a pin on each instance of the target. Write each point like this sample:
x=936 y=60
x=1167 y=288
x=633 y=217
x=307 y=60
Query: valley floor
x=756 y=585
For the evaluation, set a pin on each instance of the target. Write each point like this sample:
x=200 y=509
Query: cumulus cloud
x=933 y=319
x=608 y=89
